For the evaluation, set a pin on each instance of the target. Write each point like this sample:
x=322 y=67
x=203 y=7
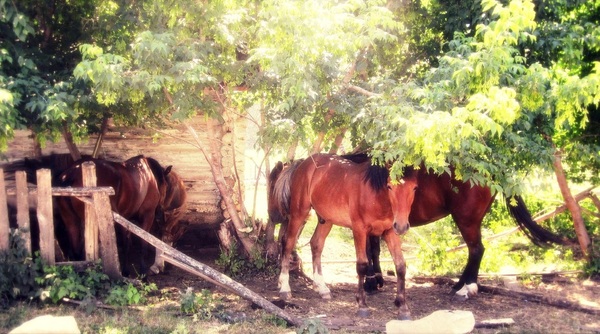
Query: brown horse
x=174 y=207
x=439 y=196
x=140 y=188
x=360 y=196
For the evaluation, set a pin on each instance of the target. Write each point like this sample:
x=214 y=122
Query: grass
x=157 y=318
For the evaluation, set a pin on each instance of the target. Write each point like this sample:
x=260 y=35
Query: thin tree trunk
x=214 y=160
x=572 y=205
x=337 y=142
x=68 y=136
x=37 y=148
x=103 y=130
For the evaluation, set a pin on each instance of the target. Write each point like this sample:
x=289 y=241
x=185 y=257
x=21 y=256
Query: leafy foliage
x=203 y=305
x=64 y=281
x=124 y=294
x=18 y=271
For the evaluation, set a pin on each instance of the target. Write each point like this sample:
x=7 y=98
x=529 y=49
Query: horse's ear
x=168 y=169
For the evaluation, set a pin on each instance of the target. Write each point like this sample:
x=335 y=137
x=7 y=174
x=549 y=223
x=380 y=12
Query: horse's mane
x=377 y=176
x=156 y=168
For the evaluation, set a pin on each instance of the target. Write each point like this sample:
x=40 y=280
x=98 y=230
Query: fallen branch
x=495 y=323
x=536 y=298
x=97 y=304
x=528 y=296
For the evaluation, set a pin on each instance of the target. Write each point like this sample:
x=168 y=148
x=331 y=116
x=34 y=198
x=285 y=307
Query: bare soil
x=576 y=309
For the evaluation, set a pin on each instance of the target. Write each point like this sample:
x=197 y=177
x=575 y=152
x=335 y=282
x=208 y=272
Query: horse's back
x=441 y=195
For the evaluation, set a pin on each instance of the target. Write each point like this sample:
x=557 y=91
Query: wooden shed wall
x=172 y=147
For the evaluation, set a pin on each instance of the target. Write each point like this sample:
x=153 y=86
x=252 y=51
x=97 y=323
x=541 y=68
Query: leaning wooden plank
x=44 y=216
x=173 y=254
x=4 y=226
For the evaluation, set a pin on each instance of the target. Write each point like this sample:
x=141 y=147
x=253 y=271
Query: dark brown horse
x=441 y=195
x=140 y=188
x=359 y=196
x=174 y=207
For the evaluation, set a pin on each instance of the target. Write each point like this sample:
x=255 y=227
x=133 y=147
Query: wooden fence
x=99 y=233
x=100 y=238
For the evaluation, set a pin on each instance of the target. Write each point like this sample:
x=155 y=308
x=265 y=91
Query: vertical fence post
x=4 y=226
x=108 y=237
x=45 y=216
x=91 y=225
x=23 y=208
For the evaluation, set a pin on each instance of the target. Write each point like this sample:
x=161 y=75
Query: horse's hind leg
x=471 y=233
x=374 y=279
x=395 y=247
x=292 y=232
x=316 y=246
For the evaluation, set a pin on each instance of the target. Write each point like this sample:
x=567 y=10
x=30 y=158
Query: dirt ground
x=578 y=301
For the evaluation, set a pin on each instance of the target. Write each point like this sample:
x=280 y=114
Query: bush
x=18 y=271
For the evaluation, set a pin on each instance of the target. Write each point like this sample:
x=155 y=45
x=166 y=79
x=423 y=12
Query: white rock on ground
x=439 y=322
x=48 y=324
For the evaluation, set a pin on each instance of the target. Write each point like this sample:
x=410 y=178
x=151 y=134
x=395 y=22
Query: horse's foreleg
x=395 y=246
x=316 y=246
x=360 y=244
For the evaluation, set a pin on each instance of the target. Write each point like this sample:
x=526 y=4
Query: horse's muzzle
x=400 y=229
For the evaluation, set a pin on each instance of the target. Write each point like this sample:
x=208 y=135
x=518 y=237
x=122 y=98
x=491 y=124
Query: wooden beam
x=107 y=236
x=23 y=208
x=174 y=256
x=88 y=174
x=45 y=216
x=67 y=191
x=4 y=225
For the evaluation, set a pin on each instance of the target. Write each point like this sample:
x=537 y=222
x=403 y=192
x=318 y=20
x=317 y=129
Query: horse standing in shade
x=174 y=207
x=140 y=188
x=359 y=196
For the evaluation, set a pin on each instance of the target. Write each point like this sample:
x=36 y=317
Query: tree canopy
x=492 y=93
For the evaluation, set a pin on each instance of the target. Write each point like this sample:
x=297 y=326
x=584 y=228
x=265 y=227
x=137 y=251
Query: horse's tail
x=538 y=235
x=282 y=190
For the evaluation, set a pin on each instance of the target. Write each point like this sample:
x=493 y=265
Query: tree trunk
x=216 y=167
x=37 y=148
x=215 y=161
x=337 y=142
x=68 y=136
x=572 y=205
x=103 y=130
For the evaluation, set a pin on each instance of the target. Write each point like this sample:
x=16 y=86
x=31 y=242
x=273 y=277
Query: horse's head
x=402 y=195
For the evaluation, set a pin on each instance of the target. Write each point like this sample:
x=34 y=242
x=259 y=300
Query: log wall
x=170 y=147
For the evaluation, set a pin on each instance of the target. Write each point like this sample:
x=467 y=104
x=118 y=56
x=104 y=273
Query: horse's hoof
x=363 y=312
x=285 y=295
x=154 y=270
x=466 y=292
x=325 y=295
x=404 y=316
